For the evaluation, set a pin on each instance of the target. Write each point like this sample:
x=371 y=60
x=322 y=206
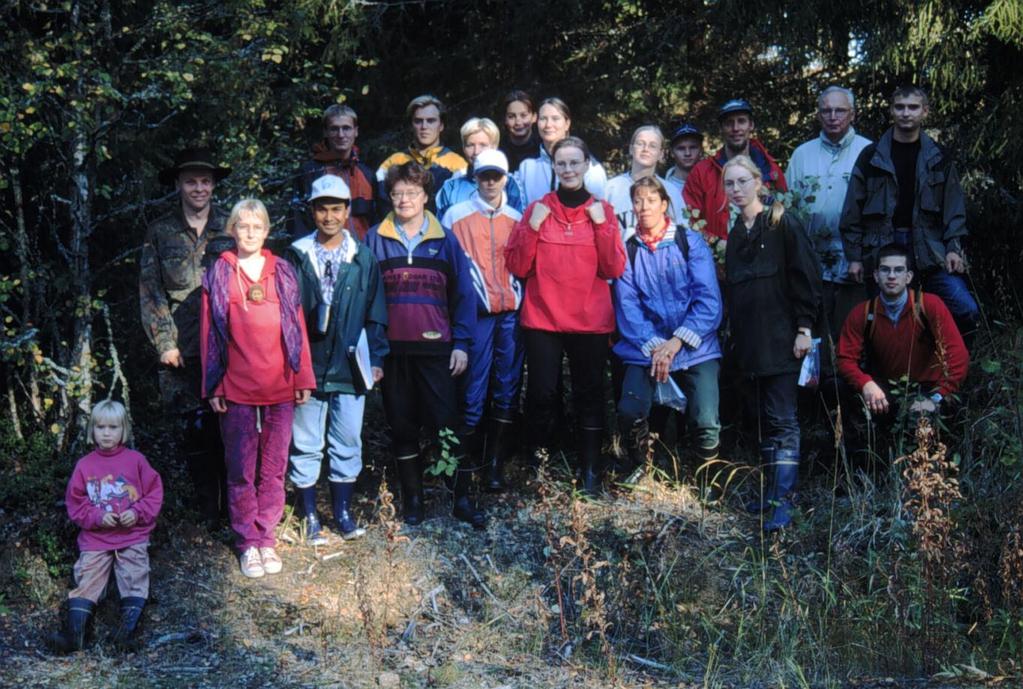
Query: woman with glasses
x=773 y=294
x=431 y=314
x=536 y=176
x=646 y=148
x=566 y=247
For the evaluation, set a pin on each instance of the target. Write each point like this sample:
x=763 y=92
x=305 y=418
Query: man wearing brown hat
x=170 y=285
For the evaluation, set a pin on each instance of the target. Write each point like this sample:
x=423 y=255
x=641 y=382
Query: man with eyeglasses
x=905 y=189
x=704 y=193
x=426 y=117
x=901 y=333
x=818 y=175
x=343 y=301
x=336 y=154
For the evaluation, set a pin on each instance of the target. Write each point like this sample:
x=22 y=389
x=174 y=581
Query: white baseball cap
x=490 y=159
x=330 y=187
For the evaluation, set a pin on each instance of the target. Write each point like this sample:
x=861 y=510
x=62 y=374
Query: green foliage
x=446 y=461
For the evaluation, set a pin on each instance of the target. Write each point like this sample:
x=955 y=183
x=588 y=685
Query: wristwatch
x=804 y=331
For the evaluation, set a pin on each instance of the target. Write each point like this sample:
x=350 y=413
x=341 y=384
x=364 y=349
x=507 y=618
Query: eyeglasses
x=345 y=128
x=647 y=146
x=834 y=112
x=402 y=195
x=569 y=164
x=891 y=270
x=738 y=183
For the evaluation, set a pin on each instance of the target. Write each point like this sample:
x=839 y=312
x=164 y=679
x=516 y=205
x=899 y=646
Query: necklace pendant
x=256 y=293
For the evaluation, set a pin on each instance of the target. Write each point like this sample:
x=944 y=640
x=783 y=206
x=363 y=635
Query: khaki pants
x=131 y=568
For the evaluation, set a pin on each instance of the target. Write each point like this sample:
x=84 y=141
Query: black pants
x=418 y=391
x=587 y=358
x=778 y=422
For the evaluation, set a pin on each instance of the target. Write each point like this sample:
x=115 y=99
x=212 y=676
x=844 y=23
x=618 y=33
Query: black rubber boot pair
x=131 y=613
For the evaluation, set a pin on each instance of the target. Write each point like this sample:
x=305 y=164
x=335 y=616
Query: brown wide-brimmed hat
x=193 y=158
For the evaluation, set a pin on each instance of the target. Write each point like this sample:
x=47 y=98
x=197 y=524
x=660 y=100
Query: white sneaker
x=251 y=564
x=271 y=561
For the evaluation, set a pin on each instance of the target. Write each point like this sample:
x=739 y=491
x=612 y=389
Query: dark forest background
x=96 y=96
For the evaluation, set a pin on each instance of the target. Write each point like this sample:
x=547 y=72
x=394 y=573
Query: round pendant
x=256 y=293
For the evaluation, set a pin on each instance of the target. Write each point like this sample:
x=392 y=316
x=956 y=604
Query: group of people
x=441 y=278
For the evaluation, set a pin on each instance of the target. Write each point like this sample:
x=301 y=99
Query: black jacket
x=358 y=303
x=773 y=287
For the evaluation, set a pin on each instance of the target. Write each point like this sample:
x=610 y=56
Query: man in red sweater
x=903 y=338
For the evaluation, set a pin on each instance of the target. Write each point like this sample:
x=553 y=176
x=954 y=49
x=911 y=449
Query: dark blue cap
x=686 y=129
x=735 y=105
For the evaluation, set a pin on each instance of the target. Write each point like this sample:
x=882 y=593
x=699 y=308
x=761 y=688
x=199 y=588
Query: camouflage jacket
x=170 y=279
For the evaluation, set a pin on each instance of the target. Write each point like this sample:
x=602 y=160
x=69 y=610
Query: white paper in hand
x=362 y=360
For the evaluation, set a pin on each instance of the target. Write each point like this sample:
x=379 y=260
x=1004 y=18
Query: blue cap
x=735 y=105
x=686 y=129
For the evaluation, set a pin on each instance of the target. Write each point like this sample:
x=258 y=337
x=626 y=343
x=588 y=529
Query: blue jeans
x=333 y=420
x=700 y=385
x=777 y=398
x=953 y=291
x=495 y=365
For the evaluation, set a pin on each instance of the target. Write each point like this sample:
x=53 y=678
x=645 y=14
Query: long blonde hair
x=744 y=161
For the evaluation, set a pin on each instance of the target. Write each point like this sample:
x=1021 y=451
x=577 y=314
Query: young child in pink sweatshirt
x=114 y=497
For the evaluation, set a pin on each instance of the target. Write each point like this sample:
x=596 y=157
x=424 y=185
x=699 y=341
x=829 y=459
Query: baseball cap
x=735 y=105
x=330 y=187
x=490 y=159
x=686 y=129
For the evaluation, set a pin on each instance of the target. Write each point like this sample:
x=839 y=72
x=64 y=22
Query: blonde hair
x=425 y=101
x=744 y=161
x=247 y=206
x=652 y=128
x=109 y=410
x=486 y=125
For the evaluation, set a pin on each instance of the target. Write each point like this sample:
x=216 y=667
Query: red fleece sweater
x=903 y=348
x=113 y=481
x=257 y=371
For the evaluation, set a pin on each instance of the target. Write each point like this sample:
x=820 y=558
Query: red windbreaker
x=566 y=266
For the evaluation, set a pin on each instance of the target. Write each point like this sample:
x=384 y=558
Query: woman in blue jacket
x=668 y=309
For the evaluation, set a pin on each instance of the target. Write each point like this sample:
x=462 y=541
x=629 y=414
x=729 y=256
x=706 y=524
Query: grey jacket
x=939 y=211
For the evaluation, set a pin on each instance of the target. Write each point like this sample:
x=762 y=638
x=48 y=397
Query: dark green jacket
x=358 y=302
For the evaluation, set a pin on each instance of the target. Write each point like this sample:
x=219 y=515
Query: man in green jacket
x=346 y=318
x=177 y=248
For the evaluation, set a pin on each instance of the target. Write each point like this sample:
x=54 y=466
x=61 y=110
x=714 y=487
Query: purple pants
x=256 y=443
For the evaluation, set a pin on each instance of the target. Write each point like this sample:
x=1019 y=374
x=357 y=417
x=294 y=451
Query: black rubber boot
x=464 y=508
x=307 y=511
x=496 y=451
x=591 y=465
x=637 y=448
x=709 y=478
x=131 y=613
x=341 y=497
x=410 y=476
x=72 y=637
x=786 y=473
x=762 y=502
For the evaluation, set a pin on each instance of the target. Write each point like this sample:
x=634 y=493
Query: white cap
x=490 y=159
x=330 y=187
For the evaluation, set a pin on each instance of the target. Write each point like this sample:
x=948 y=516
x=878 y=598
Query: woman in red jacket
x=567 y=246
